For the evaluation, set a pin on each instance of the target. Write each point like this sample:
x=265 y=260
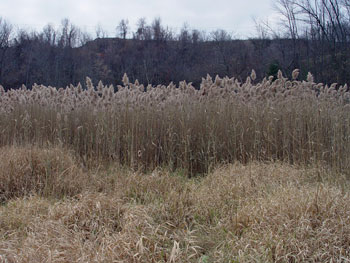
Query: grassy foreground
x=53 y=210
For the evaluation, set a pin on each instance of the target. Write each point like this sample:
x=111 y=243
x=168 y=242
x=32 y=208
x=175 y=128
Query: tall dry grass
x=180 y=127
x=238 y=213
x=51 y=173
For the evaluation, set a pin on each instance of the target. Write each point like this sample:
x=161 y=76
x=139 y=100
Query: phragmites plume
x=333 y=86
x=79 y=88
x=253 y=75
x=125 y=80
x=89 y=84
x=280 y=74
x=100 y=87
x=209 y=79
x=309 y=77
x=295 y=74
x=218 y=80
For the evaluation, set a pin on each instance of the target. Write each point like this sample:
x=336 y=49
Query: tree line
x=313 y=36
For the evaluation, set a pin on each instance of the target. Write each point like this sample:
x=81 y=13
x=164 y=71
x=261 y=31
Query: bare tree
x=223 y=47
x=143 y=32
x=288 y=10
x=159 y=32
x=5 y=33
x=323 y=17
x=185 y=35
x=69 y=34
x=263 y=29
x=326 y=24
x=290 y=14
x=157 y=29
x=100 y=32
x=346 y=5
x=83 y=37
x=49 y=35
x=220 y=35
x=123 y=28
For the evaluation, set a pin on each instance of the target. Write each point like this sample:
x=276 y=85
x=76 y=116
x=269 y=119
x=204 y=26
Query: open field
x=238 y=213
x=230 y=172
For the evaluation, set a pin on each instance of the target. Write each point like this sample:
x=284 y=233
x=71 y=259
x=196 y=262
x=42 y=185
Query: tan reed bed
x=180 y=127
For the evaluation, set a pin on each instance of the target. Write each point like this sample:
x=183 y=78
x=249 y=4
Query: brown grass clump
x=228 y=187
x=239 y=213
x=92 y=228
x=306 y=224
x=276 y=213
x=31 y=170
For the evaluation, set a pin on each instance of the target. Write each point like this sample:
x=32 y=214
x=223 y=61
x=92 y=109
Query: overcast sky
x=235 y=16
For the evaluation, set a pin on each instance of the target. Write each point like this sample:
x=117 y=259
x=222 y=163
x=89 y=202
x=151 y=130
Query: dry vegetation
x=106 y=174
x=184 y=128
x=238 y=213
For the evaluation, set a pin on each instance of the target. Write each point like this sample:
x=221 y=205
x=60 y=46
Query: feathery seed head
x=310 y=78
x=253 y=75
x=218 y=80
x=80 y=88
x=333 y=86
x=209 y=79
x=280 y=74
x=89 y=84
x=295 y=74
x=248 y=81
x=125 y=79
x=100 y=87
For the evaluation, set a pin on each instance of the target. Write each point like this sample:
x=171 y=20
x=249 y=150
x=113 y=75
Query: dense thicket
x=182 y=127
